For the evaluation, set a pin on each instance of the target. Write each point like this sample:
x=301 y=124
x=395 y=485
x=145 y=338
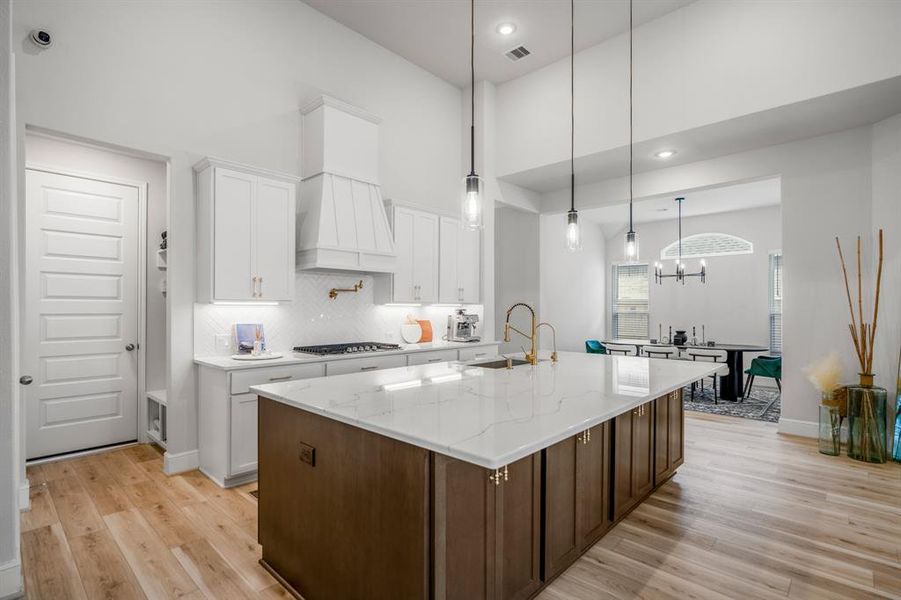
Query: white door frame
x=141 y=186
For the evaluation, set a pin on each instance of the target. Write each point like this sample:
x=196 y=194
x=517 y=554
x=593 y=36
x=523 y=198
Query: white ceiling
x=801 y=120
x=743 y=196
x=434 y=34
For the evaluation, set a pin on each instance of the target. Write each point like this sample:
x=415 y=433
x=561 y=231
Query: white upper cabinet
x=459 y=255
x=245 y=233
x=415 y=277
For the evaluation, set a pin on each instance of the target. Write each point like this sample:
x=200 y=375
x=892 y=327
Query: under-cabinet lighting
x=402 y=304
x=665 y=154
x=446 y=378
x=238 y=303
x=402 y=385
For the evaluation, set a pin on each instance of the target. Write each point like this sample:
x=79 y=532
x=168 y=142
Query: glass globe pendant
x=573 y=232
x=630 y=247
x=472 y=202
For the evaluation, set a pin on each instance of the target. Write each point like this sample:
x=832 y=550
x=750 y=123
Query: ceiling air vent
x=517 y=53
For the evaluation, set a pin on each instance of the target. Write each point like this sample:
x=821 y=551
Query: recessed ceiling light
x=506 y=28
x=665 y=154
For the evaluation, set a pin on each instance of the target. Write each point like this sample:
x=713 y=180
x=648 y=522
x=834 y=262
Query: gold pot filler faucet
x=532 y=355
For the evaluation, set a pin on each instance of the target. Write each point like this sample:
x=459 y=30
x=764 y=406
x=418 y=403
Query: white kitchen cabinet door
x=233 y=235
x=245 y=220
x=459 y=263
x=448 y=273
x=243 y=451
x=274 y=240
x=403 y=289
x=425 y=257
x=469 y=267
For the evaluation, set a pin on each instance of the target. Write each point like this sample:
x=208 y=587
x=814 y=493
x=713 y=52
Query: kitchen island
x=453 y=480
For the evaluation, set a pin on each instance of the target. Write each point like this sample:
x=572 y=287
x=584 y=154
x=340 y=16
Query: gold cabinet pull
x=254 y=286
x=499 y=475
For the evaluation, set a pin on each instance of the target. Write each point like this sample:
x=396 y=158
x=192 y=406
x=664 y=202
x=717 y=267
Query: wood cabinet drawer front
x=425 y=358
x=370 y=363
x=242 y=380
x=479 y=352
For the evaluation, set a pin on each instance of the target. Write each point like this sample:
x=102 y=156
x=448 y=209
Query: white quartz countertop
x=228 y=363
x=490 y=417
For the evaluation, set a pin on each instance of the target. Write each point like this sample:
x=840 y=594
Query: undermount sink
x=500 y=364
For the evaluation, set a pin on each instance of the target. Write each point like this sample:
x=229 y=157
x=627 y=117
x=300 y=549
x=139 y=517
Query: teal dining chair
x=594 y=347
x=764 y=366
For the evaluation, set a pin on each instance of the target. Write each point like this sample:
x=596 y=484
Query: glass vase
x=866 y=420
x=897 y=453
x=830 y=426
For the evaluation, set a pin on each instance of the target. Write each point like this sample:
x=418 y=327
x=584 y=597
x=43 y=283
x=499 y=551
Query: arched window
x=702 y=245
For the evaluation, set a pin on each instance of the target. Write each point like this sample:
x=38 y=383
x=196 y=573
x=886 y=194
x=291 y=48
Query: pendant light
x=472 y=184
x=573 y=231
x=630 y=247
x=680 y=274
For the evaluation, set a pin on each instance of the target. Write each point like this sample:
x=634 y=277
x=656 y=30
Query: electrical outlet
x=223 y=341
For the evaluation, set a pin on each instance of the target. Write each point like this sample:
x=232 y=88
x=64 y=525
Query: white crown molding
x=212 y=161
x=180 y=462
x=339 y=105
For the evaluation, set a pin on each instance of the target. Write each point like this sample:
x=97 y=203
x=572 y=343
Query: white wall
x=314 y=318
x=10 y=574
x=572 y=284
x=826 y=192
x=190 y=79
x=734 y=303
x=710 y=61
x=516 y=274
x=82 y=158
x=887 y=214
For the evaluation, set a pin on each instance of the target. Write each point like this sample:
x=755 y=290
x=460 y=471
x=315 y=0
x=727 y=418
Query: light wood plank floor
x=751 y=514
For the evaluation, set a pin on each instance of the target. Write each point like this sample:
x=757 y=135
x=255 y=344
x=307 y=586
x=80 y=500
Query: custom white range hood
x=341 y=217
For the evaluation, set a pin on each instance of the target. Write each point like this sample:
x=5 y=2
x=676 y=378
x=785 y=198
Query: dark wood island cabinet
x=351 y=513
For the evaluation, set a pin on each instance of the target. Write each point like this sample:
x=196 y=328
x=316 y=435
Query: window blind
x=776 y=303
x=630 y=301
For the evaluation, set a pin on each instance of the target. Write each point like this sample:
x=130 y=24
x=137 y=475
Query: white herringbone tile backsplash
x=314 y=318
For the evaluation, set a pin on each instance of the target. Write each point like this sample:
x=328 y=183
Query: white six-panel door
x=81 y=313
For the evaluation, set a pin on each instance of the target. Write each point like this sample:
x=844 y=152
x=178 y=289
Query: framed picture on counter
x=245 y=336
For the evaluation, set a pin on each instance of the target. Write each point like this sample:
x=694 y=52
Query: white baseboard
x=808 y=429
x=180 y=462
x=24 y=496
x=11 y=581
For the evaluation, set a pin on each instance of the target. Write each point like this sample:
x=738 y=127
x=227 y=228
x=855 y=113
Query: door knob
x=129 y=347
x=25 y=379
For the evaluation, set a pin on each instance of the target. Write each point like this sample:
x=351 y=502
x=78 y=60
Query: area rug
x=762 y=405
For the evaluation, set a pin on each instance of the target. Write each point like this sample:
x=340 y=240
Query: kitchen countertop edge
x=227 y=363
x=487 y=462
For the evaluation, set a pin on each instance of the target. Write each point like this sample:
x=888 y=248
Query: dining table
x=731 y=385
